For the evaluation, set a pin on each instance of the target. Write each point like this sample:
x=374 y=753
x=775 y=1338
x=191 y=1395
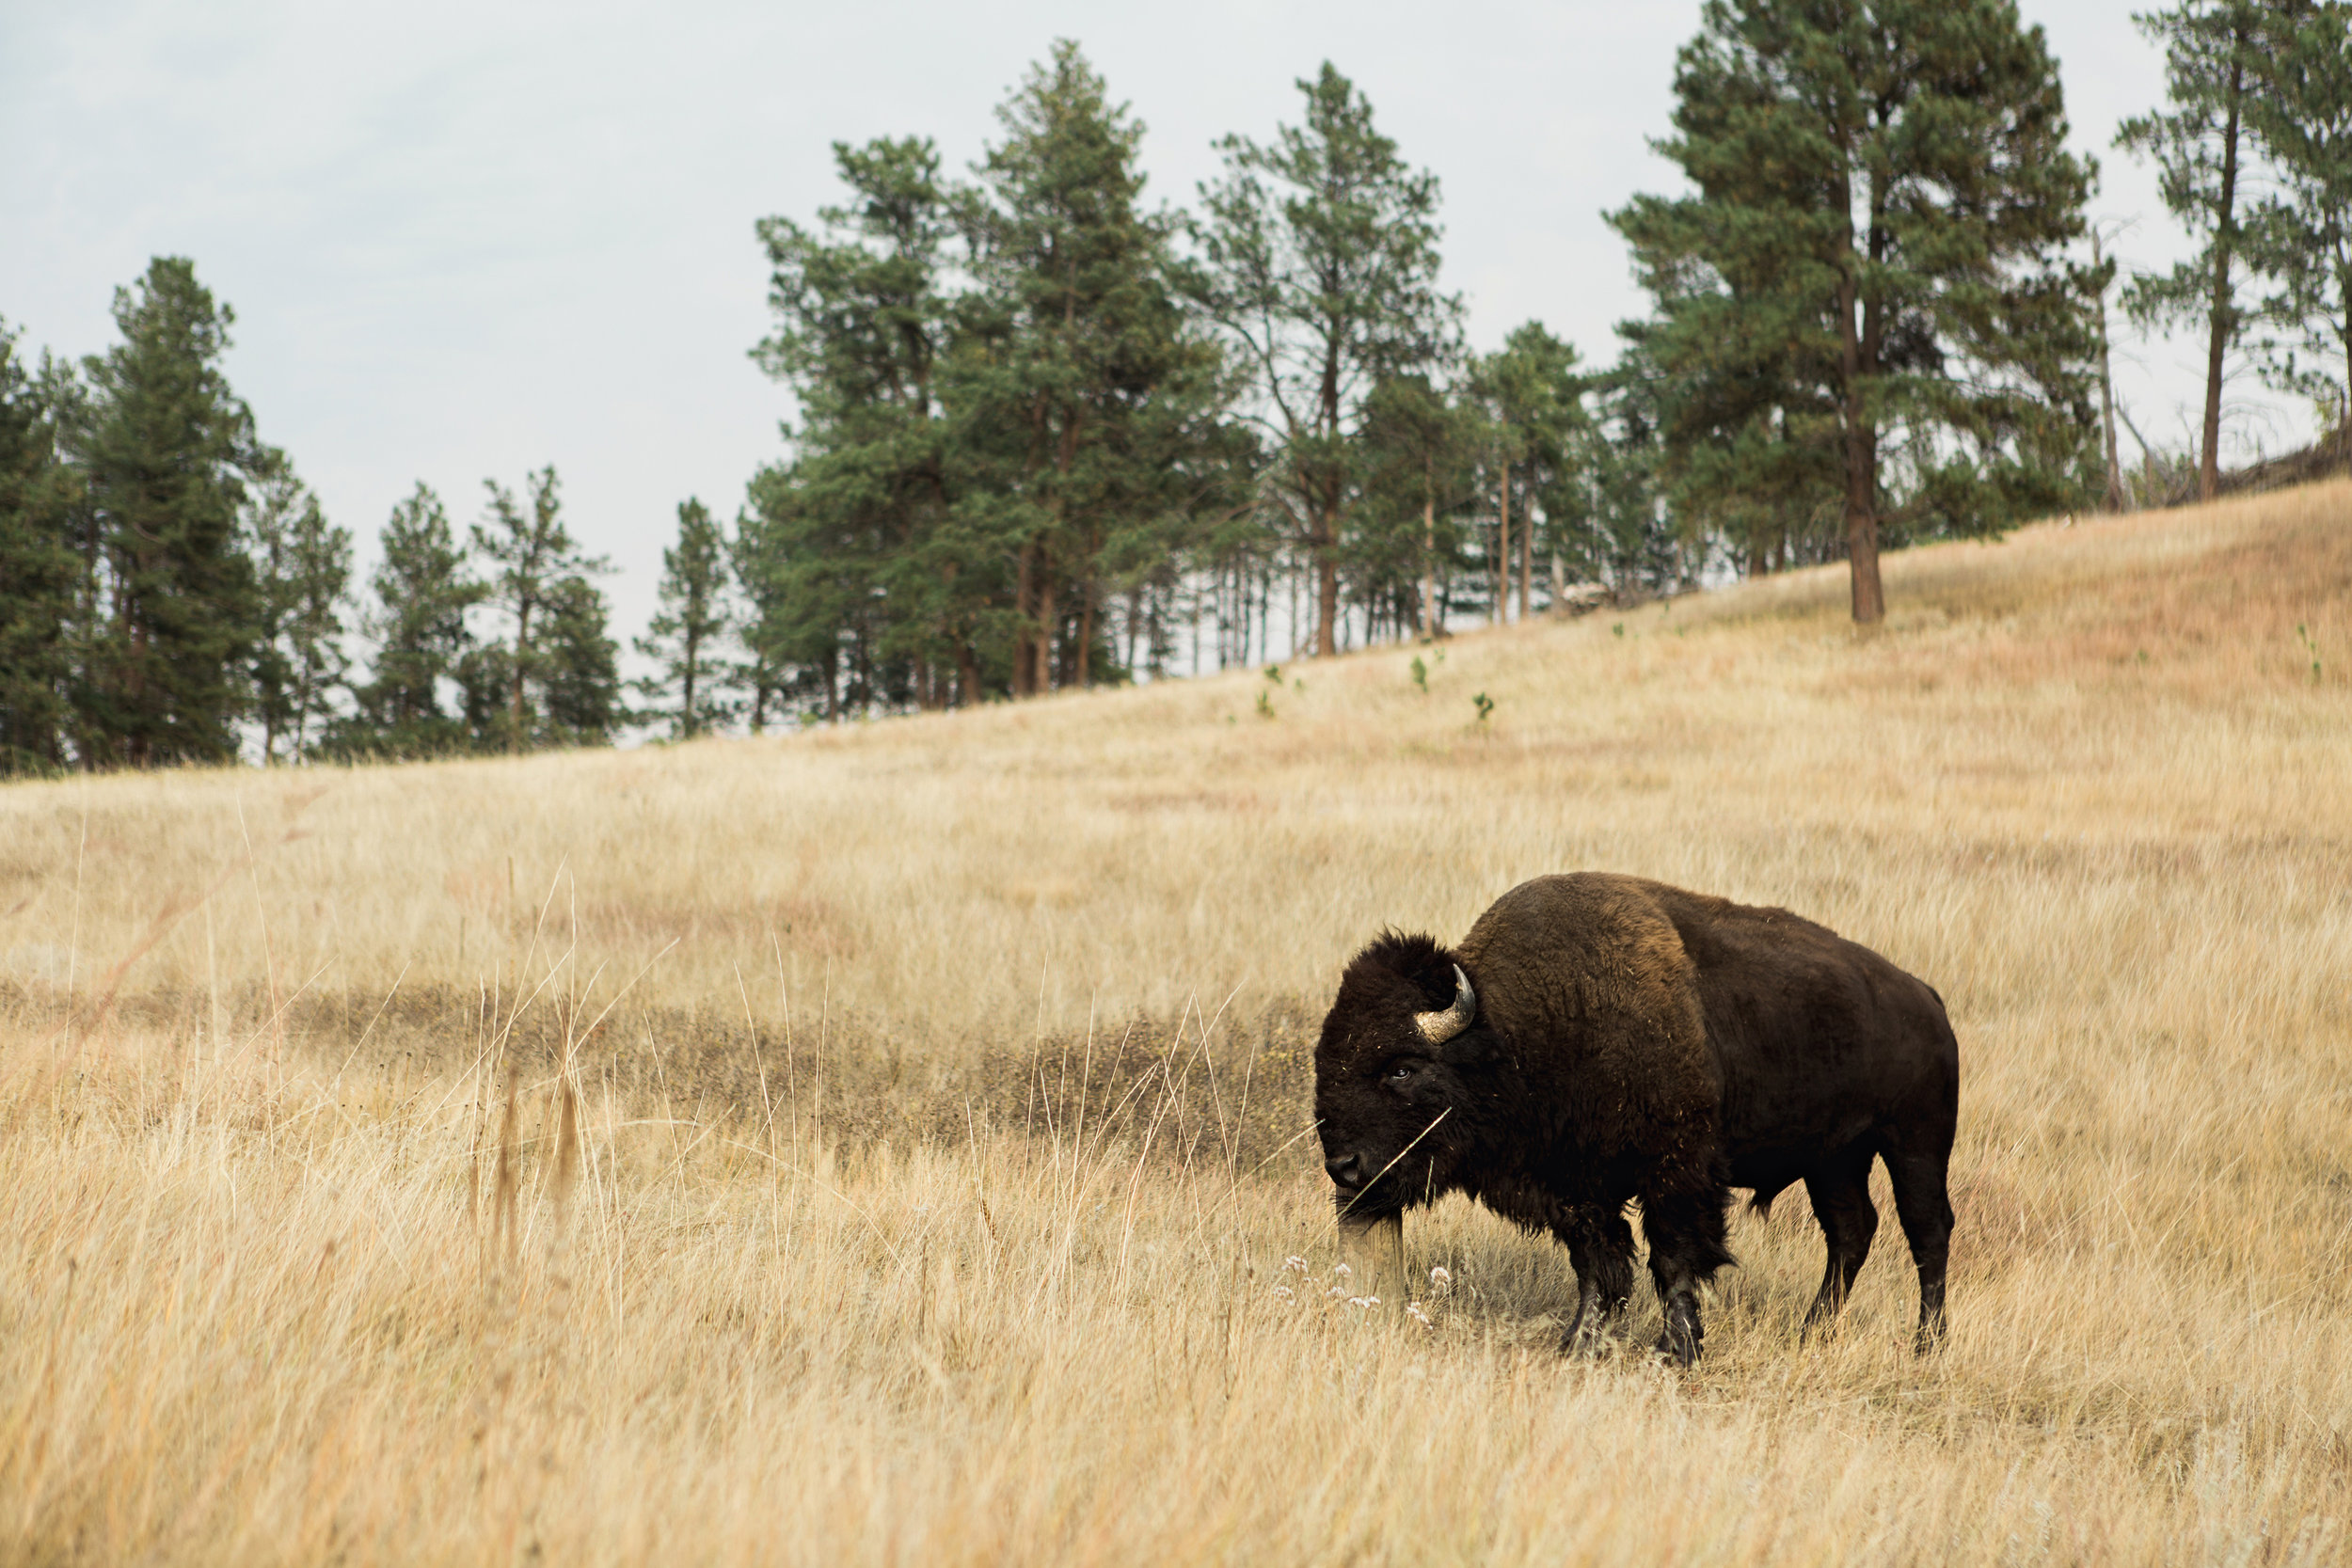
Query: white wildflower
x=1440 y=1278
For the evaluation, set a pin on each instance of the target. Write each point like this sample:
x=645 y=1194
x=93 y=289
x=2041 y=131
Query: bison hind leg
x=1924 y=1204
x=1840 y=1190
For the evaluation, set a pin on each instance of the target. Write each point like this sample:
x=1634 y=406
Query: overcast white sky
x=464 y=240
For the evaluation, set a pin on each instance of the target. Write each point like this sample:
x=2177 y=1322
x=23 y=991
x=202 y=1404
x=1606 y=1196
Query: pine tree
x=1867 y=309
x=860 y=590
x=577 y=681
x=39 y=572
x=1620 y=530
x=763 y=573
x=321 y=562
x=983 y=485
x=273 y=499
x=685 y=633
x=162 y=452
x=1319 y=262
x=2218 y=56
x=1422 y=450
x=423 y=591
x=530 y=552
x=302 y=564
x=1533 y=399
x=2300 y=234
x=1087 y=405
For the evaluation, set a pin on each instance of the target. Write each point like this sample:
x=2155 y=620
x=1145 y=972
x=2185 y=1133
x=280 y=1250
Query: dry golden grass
x=266 y=1296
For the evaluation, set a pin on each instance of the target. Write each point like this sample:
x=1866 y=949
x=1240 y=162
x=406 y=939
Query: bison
x=1598 y=1040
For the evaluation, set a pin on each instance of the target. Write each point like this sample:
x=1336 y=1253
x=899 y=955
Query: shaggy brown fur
x=1637 y=1044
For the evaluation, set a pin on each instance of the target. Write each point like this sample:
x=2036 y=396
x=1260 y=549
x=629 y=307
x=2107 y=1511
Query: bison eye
x=1401 y=1071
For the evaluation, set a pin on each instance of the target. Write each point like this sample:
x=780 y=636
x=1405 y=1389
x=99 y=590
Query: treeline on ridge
x=1049 y=434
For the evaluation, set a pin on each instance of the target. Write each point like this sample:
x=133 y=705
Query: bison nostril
x=1346 y=1170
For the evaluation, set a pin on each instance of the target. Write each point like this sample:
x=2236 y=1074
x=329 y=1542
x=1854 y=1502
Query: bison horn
x=1438 y=1028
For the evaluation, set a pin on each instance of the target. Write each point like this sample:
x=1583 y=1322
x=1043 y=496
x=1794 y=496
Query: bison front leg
x=1600 y=1245
x=1686 y=1247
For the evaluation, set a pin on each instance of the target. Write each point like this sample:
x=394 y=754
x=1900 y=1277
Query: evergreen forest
x=1049 y=431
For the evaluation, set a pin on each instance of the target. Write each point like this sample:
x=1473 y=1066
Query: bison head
x=1397 y=1070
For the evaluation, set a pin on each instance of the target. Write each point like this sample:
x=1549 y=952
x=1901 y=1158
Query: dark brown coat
x=1633 y=1042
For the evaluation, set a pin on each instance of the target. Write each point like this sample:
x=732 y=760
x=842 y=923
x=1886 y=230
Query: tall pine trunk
x=1024 y=636
x=1862 y=523
x=1329 y=502
x=1327 y=568
x=522 y=659
x=1527 y=547
x=1502 y=552
x=1326 y=601
x=1041 y=647
x=141 y=750
x=2217 y=339
x=1428 y=628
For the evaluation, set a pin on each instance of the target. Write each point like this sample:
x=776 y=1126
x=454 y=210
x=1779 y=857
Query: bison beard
x=1600 y=1040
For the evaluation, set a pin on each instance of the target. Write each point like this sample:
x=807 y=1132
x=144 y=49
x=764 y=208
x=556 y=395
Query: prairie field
x=890 y=1143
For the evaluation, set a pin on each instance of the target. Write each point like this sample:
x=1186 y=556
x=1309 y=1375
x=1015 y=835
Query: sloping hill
x=927 y=1192
x=2134 y=689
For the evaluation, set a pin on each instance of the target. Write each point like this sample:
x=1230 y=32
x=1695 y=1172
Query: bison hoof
x=1679 y=1344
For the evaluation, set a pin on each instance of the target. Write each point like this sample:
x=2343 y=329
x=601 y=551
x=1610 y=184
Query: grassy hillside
x=885 y=1144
